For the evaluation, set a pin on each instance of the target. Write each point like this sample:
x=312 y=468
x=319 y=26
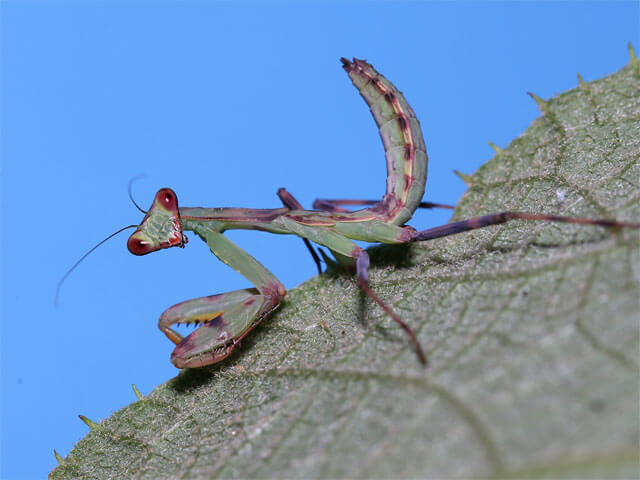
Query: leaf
x=531 y=329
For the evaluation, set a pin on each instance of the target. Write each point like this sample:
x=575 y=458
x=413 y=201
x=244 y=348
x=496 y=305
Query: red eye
x=167 y=198
x=138 y=246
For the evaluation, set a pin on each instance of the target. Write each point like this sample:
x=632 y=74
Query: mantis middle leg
x=343 y=246
x=226 y=318
x=291 y=202
x=332 y=205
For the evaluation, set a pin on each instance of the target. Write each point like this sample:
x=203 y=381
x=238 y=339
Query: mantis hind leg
x=503 y=217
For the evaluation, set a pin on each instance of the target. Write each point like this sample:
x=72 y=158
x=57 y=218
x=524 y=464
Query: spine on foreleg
x=401 y=135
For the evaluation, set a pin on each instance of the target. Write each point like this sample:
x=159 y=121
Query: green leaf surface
x=531 y=329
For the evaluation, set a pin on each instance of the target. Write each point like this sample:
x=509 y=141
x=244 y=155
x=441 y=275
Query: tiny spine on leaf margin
x=90 y=423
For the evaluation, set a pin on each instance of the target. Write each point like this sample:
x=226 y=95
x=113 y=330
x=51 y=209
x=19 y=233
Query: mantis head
x=161 y=226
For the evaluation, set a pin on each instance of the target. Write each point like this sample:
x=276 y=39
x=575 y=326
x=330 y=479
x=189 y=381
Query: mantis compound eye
x=139 y=246
x=167 y=198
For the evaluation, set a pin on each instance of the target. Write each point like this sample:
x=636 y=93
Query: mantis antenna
x=68 y=272
x=137 y=177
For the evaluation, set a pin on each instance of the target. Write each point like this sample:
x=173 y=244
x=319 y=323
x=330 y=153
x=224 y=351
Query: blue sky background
x=224 y=103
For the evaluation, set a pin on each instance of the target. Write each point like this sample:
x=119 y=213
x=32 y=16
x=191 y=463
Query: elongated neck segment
x=164 y=223
x=231 y=218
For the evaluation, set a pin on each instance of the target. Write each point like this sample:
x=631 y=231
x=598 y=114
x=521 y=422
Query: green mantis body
x=225 y=319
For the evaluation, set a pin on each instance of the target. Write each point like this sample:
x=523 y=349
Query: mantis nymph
x=224 y=320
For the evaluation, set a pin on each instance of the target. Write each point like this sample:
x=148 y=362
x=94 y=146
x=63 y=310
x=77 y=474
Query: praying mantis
x=225 y=319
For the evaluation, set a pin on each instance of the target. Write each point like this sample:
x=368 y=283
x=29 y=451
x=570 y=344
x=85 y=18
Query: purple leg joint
x=362 y=268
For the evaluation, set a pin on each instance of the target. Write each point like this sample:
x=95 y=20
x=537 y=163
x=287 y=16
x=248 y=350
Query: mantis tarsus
x=225 y=319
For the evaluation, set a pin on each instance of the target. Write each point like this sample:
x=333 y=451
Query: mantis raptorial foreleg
x=224 y=319
x=217 y=316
